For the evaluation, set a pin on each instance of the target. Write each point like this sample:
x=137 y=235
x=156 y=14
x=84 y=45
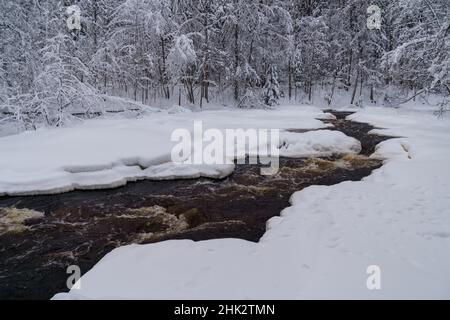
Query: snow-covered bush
x=251 y=100
x=57 y=91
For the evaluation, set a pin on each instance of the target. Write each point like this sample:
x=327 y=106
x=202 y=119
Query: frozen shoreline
x=321 y=246
x=102 y=154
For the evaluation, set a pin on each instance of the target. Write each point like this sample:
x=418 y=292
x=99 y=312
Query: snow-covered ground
x=398 y=219
x=106 y=153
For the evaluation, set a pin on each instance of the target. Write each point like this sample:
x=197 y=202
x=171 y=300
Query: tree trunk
x=347 y=85
x=355 y=88
x=163 y=70
x=333 y=87
x=236 y=63
x=290 y=80
x=310 y=84
x=205 y=82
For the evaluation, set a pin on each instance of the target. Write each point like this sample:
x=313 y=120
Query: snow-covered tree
x=58 y=89
x=182 y=61
x=420 y=60
x=271 y=92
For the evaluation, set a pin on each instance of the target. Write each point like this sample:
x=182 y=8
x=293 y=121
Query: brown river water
x=40 y=236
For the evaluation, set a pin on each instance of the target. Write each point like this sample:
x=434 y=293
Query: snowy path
x=320 y=247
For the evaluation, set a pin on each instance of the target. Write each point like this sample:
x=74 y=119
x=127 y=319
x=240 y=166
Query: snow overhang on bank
x=397 y=220
x=109 y=153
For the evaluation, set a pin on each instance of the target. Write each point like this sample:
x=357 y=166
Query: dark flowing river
x=40 y=236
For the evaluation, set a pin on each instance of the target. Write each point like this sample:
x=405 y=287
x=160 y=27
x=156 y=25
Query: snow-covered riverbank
x=321 y=246
x=109 y=153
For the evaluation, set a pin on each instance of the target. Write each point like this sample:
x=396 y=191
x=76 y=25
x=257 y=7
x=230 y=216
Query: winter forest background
x=239 y=53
